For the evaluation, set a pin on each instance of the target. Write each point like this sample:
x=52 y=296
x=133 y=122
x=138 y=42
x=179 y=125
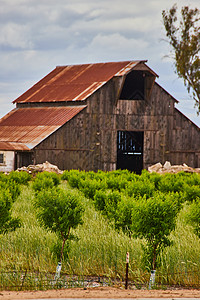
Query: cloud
x=14 y=36
x=116 y=46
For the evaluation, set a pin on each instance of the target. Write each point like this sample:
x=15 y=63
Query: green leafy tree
x=193 y=216
x=153 y=219
x=184 y=37
x=45 y=180
x=59 y=211
x=7 y=222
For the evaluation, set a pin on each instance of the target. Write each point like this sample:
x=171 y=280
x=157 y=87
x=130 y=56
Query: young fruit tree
x=193 y=216
x=184 y=37
x=7 y=222
x=153 y=219
x=59 y=211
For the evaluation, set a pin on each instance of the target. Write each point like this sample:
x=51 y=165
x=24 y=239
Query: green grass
x=99 y=250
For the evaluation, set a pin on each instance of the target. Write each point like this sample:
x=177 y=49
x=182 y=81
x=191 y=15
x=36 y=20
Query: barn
x=103 y=116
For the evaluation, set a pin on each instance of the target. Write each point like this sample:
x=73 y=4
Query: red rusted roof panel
x=70 y=83
x=13 y=146
x=31 y=125
x=56 y=93
x=38 y=116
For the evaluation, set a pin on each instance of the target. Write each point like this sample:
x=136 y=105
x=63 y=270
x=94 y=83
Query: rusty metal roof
x=76 y=82
x=24 y=128
x=13 y=146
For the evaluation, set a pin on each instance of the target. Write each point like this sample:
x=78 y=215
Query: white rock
x=155 y=168
x=167 y=165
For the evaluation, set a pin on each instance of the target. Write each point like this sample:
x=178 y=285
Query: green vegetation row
x=143 y=206
x=115 y=212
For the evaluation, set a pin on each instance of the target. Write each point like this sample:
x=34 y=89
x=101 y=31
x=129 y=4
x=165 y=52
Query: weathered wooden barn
x=98 y=116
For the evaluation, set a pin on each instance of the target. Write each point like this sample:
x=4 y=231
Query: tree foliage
x=7 y=222
x=9 y=191
x=184 y=37
x=59 y=211
x=144 y=206
x=153 y=219
x=194 y=217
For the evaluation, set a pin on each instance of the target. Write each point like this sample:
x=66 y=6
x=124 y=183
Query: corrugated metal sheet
x=7 y=146
x=27 y=127
x=72 y=83
x=128 y=68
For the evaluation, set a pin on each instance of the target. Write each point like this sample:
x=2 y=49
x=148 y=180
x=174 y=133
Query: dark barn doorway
x=130 y=150
x=23 y=159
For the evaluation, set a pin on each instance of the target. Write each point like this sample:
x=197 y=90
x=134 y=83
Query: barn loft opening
x=137 y=85
x=130 y=150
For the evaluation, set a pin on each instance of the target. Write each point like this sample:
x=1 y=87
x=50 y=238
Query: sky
x=38 y=35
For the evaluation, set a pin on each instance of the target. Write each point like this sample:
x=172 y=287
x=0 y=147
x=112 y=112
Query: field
x=103 y=239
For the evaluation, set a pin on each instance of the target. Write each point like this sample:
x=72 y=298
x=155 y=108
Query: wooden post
x=127 y=262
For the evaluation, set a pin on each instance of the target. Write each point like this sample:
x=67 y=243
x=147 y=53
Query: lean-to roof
x=24 y=128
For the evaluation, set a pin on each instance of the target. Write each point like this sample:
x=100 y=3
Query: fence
x=27 y=280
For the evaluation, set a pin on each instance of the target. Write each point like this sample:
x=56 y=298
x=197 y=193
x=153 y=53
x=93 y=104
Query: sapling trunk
x=154 y=257
x=63 y=244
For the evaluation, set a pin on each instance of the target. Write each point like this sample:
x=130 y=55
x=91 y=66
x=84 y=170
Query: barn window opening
x=1 y=158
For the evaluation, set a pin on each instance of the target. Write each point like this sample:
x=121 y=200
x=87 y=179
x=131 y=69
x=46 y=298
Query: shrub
x=45 y=180
x=155 y=178
x=193 y=216
x=100 y=200
x=7 y=222
x=153 y=219
x=3 y=177
x=65 y=175
x=189 y=178
x=55 y=177
x=19 y=177
x=191 y=193
x=42 y=184
x=12 y=187
x=140 y=188
x=171 y=183
x=124 y=215
x=59 y=211
x=112 y=201
x=90 y=186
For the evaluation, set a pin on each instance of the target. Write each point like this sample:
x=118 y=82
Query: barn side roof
x=76 y=82
x=24 y=128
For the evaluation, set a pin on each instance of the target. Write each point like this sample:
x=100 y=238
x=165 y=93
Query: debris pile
x=45 y=167
x=168 y=168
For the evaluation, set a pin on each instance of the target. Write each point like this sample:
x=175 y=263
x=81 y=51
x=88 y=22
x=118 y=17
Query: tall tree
x=184 y=37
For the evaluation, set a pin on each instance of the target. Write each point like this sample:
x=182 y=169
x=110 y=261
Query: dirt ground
x=100 y=292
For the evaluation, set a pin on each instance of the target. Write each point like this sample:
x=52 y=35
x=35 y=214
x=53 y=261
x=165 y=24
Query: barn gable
x=100 y=116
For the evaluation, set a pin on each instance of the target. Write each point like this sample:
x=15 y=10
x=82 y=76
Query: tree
x=193 y=216
x=185 y=41
x=153 y=219
x=59 y=211
x=7 y=222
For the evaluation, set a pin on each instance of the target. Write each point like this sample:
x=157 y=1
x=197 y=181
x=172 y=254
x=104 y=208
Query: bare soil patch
x=100 y=292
